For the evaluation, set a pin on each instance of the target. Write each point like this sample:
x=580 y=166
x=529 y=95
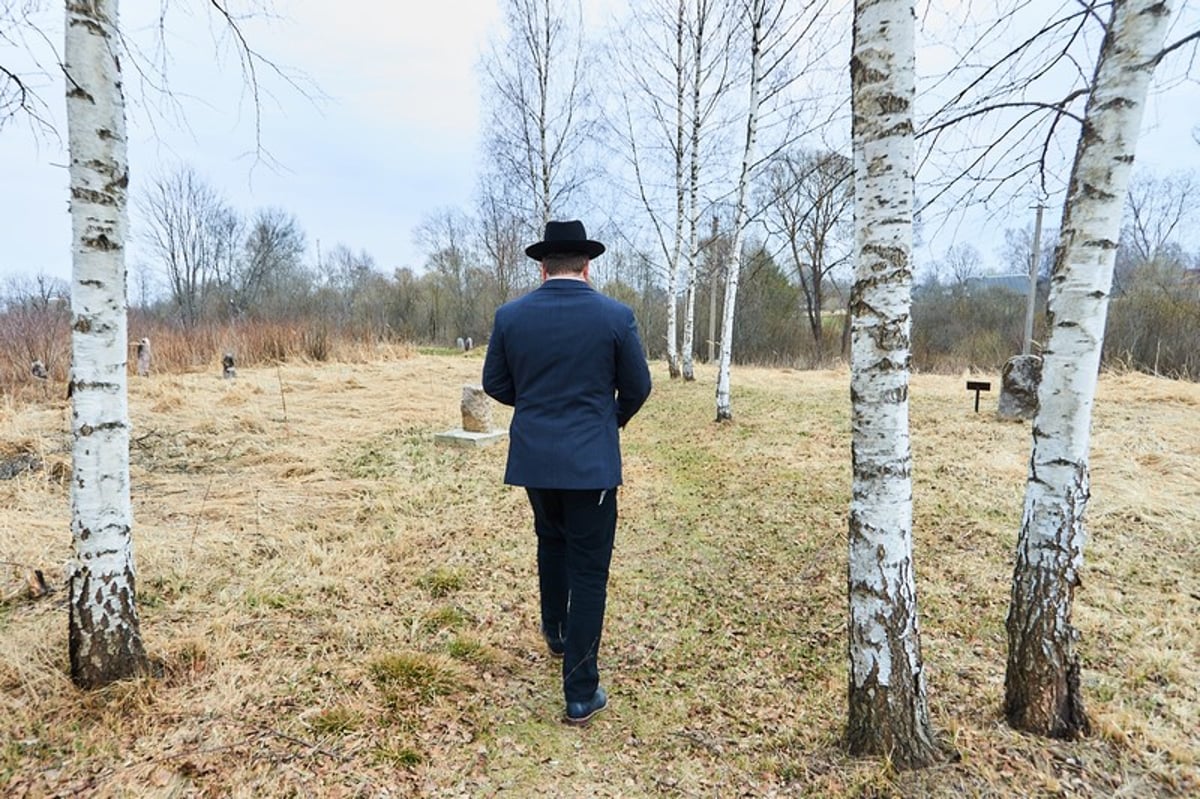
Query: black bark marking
x=101 y=651
x=899 y=129
x=95 y=385
x=1096 y=193
x=1116 y=103
x=101 y=242
x=1042 y=691
x=92 y=196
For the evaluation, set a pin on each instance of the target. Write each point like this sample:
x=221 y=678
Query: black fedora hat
x=564 y=238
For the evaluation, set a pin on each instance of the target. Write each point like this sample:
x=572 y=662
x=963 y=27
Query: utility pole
x=1033 y=280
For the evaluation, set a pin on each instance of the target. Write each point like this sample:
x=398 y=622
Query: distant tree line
x=206 y=265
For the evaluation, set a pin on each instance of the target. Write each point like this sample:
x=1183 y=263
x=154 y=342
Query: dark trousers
x=575 y=531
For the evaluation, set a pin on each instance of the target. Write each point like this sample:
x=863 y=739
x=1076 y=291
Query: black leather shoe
x=556 y=645
x=582 y=712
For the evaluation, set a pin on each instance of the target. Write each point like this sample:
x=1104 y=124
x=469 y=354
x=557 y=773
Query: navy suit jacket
x=570 y=362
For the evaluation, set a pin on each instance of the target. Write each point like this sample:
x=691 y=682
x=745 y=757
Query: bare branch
x=1059 y=108
x=1191 y=37
x=251 y=60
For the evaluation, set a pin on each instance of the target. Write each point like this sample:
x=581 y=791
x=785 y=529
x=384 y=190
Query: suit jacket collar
x=561 y=284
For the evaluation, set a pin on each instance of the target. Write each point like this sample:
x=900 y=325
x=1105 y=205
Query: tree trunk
x=689 y=305
x=888 y=710
x=1042 y=692
x=703 y=10
x=104 y=638
x=689 y=310
x=725 y=360
x=673 y=366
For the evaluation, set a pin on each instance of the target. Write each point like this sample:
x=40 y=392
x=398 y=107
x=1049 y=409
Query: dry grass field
x=341 y=607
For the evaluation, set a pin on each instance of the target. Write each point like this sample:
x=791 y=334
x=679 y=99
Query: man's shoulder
x=615 y=305
x=576 y=290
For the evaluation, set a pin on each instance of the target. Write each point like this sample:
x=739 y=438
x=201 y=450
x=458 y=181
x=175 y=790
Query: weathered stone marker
x=143 y=358
x=1019 y=387
x=476 y=410
x=977 y=386
x=476 y=430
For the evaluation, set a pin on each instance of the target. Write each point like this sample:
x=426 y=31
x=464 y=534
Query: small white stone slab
x=464 y=438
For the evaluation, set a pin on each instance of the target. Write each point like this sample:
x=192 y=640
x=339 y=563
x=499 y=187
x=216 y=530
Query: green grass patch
x=441 y=582
x=471 y=650
x=415 y=673
x=376 y=461
x=270 y=601
x=446 y=618
x=336 y=721
x=398 y=756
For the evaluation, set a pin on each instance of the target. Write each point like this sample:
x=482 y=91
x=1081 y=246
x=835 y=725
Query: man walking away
x=570 y=362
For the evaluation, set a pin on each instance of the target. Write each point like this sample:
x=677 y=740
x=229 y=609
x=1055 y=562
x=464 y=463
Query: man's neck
x=580 y=275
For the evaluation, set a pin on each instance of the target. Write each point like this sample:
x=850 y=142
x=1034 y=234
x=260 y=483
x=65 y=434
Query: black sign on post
x=977 y=386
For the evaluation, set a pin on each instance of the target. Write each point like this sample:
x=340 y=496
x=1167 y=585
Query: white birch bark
x=689 y=307
x=888 y=710
x=1042 y=682
x=680 y=195
x=688 y=347
x=655 y=60
x=104 y=638
x=757 y=10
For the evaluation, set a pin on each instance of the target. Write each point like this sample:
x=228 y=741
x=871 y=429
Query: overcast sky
x=390 y=135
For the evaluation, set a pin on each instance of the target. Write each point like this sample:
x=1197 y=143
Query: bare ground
x=343 y=608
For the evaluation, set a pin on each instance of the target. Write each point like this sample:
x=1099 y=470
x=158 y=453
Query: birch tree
x=1012 y=98
x=658 y=99
x=104 y=635
x=709 y=37
x=539 y=99
x=1042 y=681
x=888 y=709
x=775 y=31
x=757 y=21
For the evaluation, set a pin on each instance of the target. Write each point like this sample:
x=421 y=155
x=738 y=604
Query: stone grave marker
x=476 y=429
